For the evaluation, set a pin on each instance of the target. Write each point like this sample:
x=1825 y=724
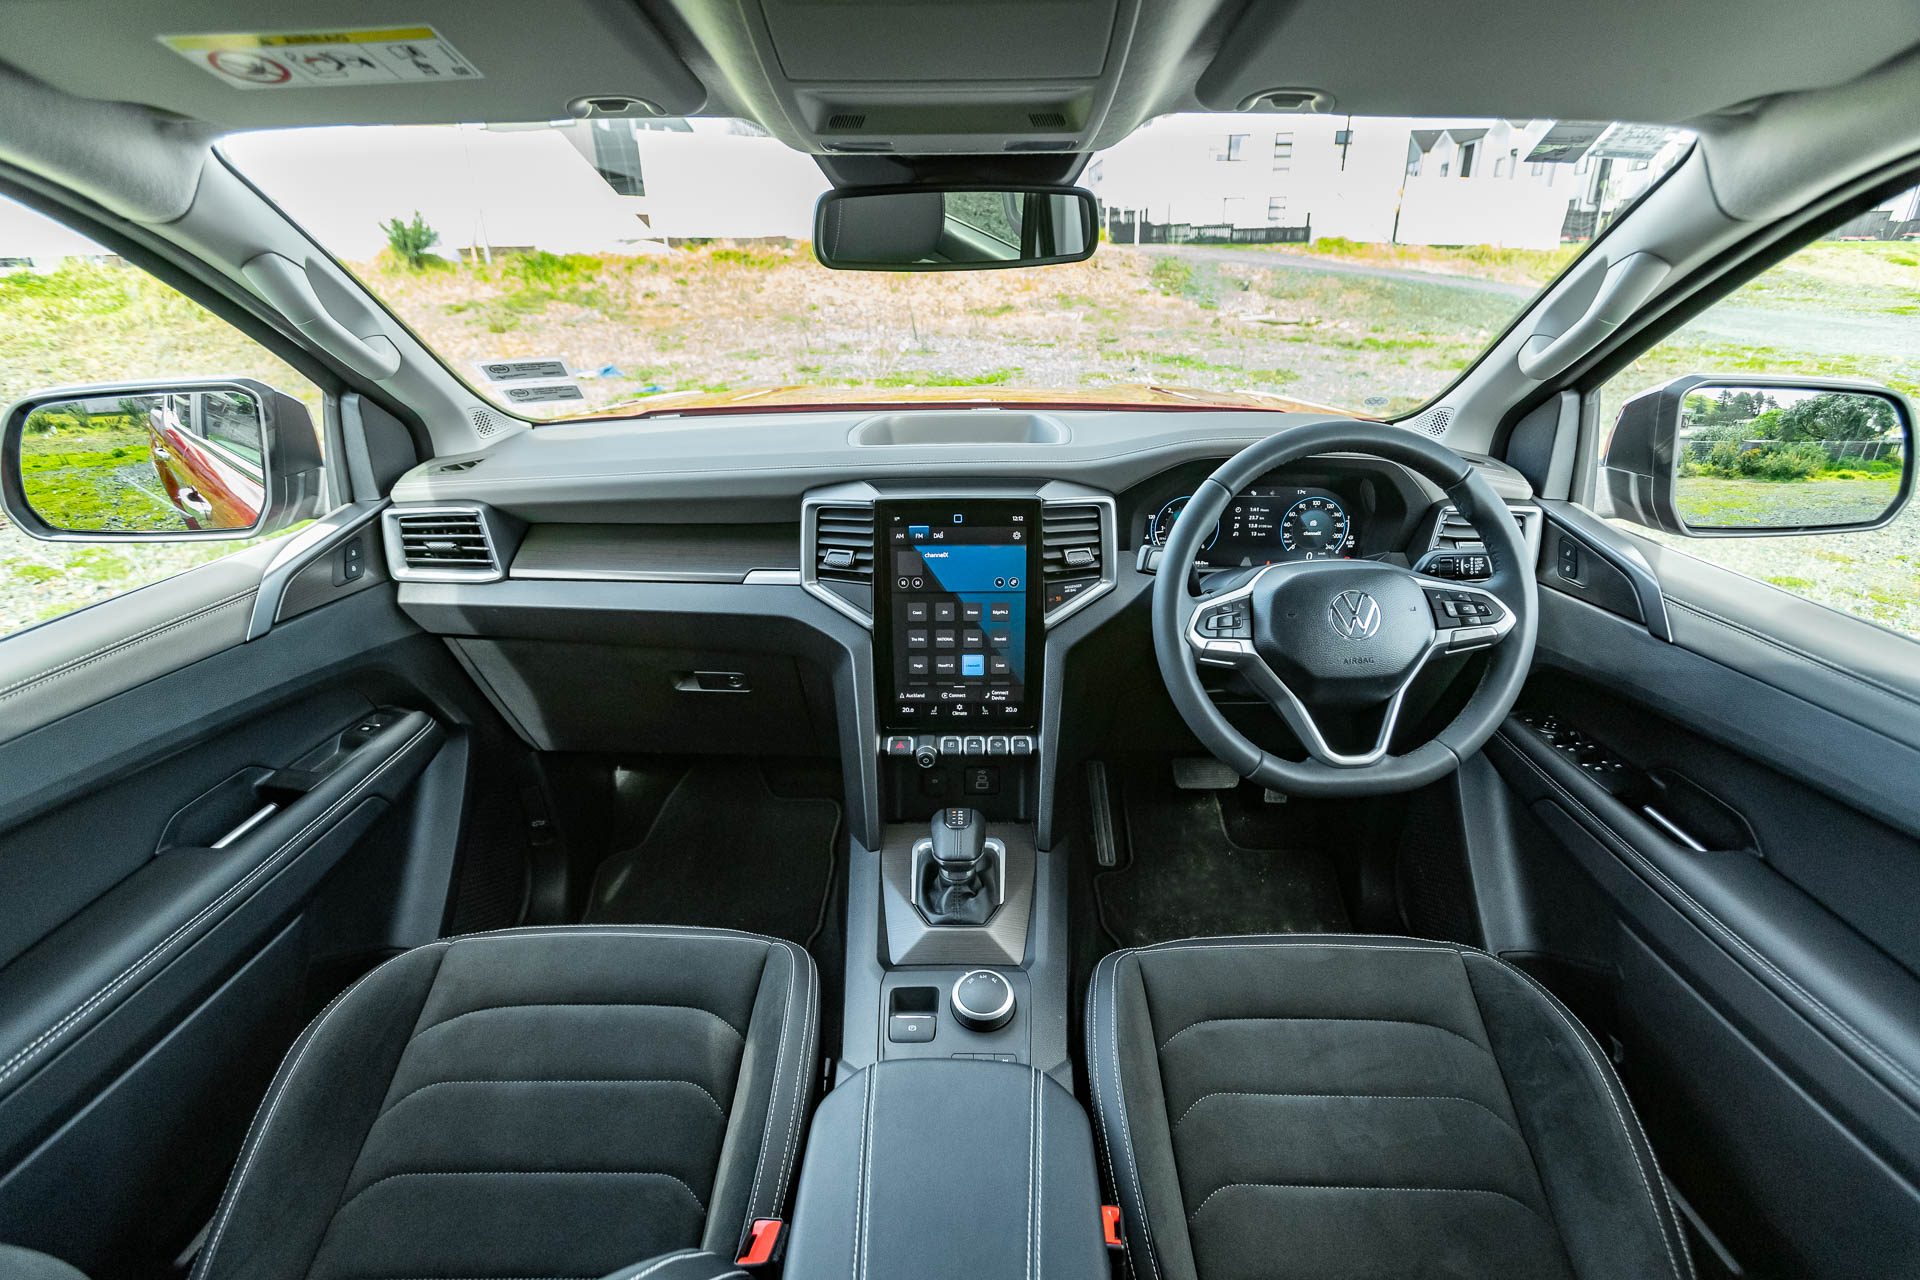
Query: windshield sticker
x=542 y=392
x=318 y=59
x=524 y=369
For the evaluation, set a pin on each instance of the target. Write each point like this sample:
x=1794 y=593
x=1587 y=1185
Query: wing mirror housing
x=1734 y=455
x=922 y=228
x=186 y=461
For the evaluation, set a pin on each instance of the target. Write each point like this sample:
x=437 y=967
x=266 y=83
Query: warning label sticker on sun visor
x=317 y=59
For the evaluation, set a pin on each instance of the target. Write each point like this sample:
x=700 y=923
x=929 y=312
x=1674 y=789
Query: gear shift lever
x=960 y=891
x=959 y=844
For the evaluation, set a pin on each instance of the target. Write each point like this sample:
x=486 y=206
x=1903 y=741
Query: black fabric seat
x=1332 y=1106
x=535 y=1102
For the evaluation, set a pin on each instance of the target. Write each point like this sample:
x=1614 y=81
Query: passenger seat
x=533 y=1102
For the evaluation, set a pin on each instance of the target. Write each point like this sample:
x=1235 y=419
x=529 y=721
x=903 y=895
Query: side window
x=73 y=312
x=1848 y=306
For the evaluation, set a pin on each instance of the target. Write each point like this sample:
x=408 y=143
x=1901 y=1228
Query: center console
x=956 y=929
x=948 y=1171
x=955 y=1035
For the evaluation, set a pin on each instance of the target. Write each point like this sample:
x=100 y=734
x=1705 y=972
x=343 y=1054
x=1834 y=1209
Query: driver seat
x=1357 y=1106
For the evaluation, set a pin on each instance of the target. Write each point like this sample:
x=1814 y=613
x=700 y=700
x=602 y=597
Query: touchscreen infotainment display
x=960 y=608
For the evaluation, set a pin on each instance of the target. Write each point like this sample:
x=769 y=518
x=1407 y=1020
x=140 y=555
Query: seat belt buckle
x=1110 y=1226
x=764 y=1241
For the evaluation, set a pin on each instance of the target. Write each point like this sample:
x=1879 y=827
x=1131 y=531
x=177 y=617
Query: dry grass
x=722 y=318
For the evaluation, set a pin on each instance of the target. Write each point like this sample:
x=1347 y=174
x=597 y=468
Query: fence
x=1123 y=228
x=1838 y=450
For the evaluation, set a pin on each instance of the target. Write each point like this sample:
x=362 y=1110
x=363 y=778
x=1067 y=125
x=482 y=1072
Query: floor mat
x=1206 y=863
x=725 y=851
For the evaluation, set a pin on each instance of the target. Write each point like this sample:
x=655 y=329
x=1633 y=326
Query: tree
x=1837 y=415
x=410 y=241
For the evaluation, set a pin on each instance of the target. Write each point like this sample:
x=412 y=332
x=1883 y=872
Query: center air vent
x=1072 y=551
x=444 y=544
x=843 y=543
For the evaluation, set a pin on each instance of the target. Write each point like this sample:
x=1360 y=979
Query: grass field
x=715 y=321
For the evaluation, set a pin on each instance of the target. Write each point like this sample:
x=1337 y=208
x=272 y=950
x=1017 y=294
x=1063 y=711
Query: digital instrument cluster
x=1267 y=524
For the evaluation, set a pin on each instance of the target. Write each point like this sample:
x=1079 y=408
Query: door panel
x=167 y=911
x=1745 y=800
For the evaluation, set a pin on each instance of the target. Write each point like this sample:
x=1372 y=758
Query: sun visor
x=247 y=64
x=1606 y=60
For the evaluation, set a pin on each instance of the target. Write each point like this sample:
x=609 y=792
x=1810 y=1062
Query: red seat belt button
x=762 y=1243
x=1110 y=1224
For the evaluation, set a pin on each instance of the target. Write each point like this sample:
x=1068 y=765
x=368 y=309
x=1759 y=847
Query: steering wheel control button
x=982 y=1000
x=910 y=1028
x=1226 y=621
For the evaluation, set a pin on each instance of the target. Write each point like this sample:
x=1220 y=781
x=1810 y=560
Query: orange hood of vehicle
x=1134 y=395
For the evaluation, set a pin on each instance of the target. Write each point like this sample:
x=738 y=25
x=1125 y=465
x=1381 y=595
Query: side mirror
x=1721 y=456
x=954 y=229
x=159 y=462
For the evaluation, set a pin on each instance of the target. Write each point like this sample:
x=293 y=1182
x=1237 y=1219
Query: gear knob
x=959 y=843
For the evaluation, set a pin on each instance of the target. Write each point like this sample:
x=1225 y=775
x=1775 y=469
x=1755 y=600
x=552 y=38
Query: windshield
x=1274 y=261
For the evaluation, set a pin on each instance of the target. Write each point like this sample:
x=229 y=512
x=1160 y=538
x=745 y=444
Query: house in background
x=1515 y=184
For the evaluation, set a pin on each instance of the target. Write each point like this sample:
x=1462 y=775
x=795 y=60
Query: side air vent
x=1072 y=551
x=843 y=543
x=846 y=120
x=445 y=544
x=1457 y=549
x=1454 y=533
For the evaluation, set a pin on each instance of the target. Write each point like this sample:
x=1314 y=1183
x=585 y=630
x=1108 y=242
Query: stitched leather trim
x=1320 y=1186
x=1126 y=1126
x=1641 y=862
x=272 y=862
x=73 y=665
x=522 y=1173
x=605 y=1081
x=1792 y=651
x=1345 y=1097
x=573 y=1004
x=1386 y=1022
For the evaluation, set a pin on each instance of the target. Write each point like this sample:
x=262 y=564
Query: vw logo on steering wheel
x=1355 y=615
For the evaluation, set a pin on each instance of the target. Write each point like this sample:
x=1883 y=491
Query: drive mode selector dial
x=982 y=1000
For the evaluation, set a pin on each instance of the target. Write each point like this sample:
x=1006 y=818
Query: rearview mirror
x=158 y=462
x=970 y=229
x=1709 y=456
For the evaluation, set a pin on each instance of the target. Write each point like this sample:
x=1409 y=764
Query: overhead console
x=940 y=77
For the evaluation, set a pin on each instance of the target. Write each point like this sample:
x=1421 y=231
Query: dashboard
x=813 y=586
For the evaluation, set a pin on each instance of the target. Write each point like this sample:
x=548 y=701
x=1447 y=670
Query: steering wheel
x=1344 y=636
